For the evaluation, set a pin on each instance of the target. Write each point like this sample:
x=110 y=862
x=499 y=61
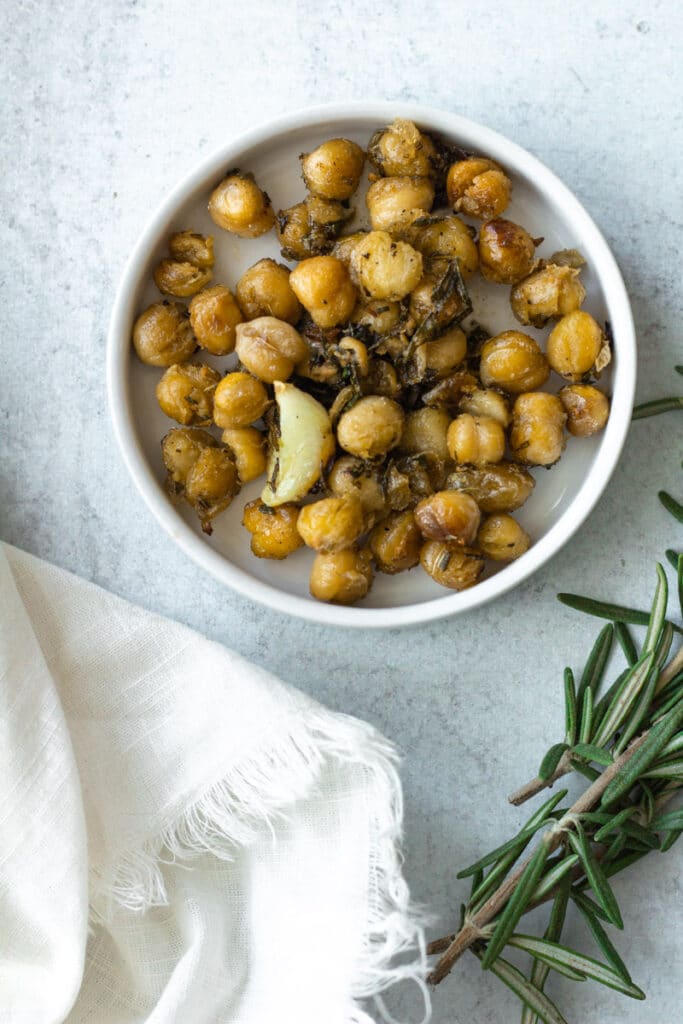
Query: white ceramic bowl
x=564 y=496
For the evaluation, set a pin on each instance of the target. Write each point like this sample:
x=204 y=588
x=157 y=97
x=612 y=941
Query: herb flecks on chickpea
x=451 y=565
x=238 y=205
x=477 y=440
x=548 y=293
x=383 y=268
x=448 y=515
x=323 y=287
x=273 y=531
x=162 y=335
x=396 y=203
x=333 y=170
x=537 y=433
x=185 y=393
x=269 y=348
x=402 y=149
x=396 y=543
x=501 y=487
x=502 y=539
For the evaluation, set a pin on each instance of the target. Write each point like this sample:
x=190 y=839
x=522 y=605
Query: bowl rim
x=492 y=143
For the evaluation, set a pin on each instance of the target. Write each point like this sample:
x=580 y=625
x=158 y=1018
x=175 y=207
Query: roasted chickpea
x=445 y=237
x=436 y=359
x=547 y=294
x=435 y=300
x=211 y=484
x=506 y=251
x=239 y=400
x=448 y=515
x=214 y=315
x=342 y=577
x=394 y=203
x=323 y=287
x=162 y=335
x=344 y=246
x=410 y=478
x=273 y=530
x=586 y=407
x=402 y=149
x=351 y=477
x=331 y=524
x=293 y=232
x=502 y=539
x=238 y=205
x=477 y=440
x=425 y=431
x=478 y=187
x=501 y=487
x=487 y=402
x=270 y=348
x=383 y=268
x=247 y=445
x=451 y=565
x=182 y=279
x=192 y=247
x=379 y=315
x=180 y=449
x=450 y=391
x=185 y=392
x=514 y=362
x=333 y=170
x=371 y=427
x=264 y=290
x=537 y=434
x=574 y=345
x=396 y=542
x=381 y=379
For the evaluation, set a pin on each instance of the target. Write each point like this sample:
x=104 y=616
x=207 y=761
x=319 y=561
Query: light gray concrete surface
x=105 y=107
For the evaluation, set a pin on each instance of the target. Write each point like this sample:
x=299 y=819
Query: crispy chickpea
x=331 y=524
x=344 y=246
x=264 y=290
x=381 y=379
x=180 y=449
x=163 y=336
x=394 y=203
x=425 y=431
x=379 y=315
x=451 y=565
x=449 y=392
x=429 y=304
x=547 y=294
x=478 y=187
x=396 y=542
x=211 y=484
x=438 y=358
x=323 y=287
x=185 y=392
x=351 y=477
x=448 y=515
x=238 y=205
x=273 y=530
x=214 y=315
x=383 y=268
x=192 y=247
x=586 y=407
x=477 y=440
x=514 y=362
x=501 y=487
x=293 y=232
x=333 y=170
x=239 y=400
x=445 y=237
x=342 y=577
x=402 y=149
x=410 y=478
x=247 y=445
x=371 y=427
x=537 y=434
x=502 y=539
x=270 y=348
x=574 y=345
x=506 y=251
x=486 y=402
x=181 y=279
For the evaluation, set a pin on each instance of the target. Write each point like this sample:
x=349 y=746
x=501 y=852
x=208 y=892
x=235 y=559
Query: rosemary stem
x=537 y=785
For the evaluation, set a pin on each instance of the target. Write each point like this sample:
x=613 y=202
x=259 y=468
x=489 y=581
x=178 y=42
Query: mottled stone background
x=105 y=107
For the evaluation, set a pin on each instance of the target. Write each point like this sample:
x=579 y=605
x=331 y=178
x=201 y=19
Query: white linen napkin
x=183 y=838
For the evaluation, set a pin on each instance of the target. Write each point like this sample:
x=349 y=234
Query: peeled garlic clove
x=303 y=445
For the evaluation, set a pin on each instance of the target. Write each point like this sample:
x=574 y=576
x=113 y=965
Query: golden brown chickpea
x=402 y=149
x=352 y=352
x=185 y=393
x=192 y=247
x=574 y=345
x=396 y=542
x=162 y=335
x=586 y=407
x=333 y=170
x=371 y=427
x=270 y=348
x=211 y=484
x=450 y=391
x=378 y=315
x=429 y=304
x=478 y=187
x=273 y=530
x=476 y=440
x=264 y=290
x=547 y=294
x=351 y=477
x=514 y=362
x=247 y=445
x=394 y=203
x=448 y=515
x=445 y=237
x=383 y=268
x=381 y=379
x=501 y=487
x=425 y=431
x=451 y=565
x=331 y=524
x=342 y=577
x=214 y=315
x=438 y=358
x=537 y=434
x=323 y=287
x=506 y=251
x=344 y=246
x=481 y=402
x=502 y=539
x=238 y=205
x=239 y=400
x=293 y=231
x=181 y=279
x=410 y=478
x=180 y=449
